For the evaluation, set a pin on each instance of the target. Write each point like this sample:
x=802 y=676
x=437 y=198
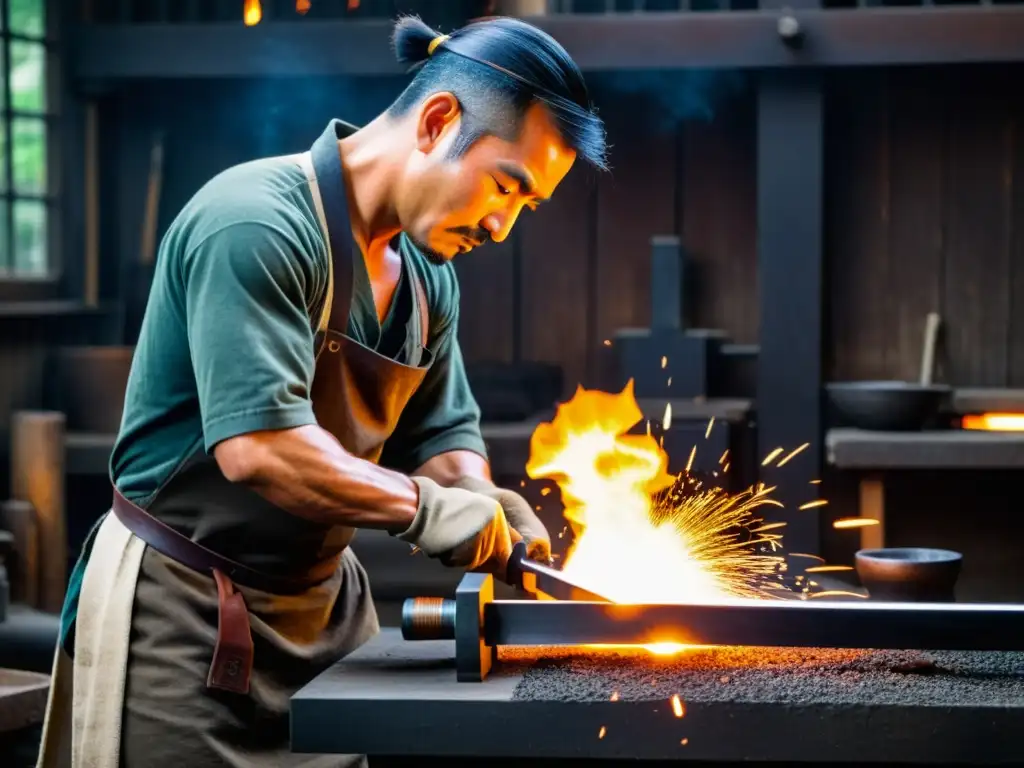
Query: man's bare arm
x=306 y=472
x=448 y=468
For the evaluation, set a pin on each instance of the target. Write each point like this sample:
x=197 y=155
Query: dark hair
x=497 y=68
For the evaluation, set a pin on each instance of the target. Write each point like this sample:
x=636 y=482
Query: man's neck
x=367 y=157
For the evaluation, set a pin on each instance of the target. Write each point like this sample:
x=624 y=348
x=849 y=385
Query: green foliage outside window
x=23 y=141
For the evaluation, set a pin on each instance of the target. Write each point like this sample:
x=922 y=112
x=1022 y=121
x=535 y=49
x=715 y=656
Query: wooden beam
x=37 y=477
x=728 y=39
x=790 y=274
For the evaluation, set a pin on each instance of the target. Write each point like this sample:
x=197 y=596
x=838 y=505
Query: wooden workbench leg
x=37 y=476
x=872 y=506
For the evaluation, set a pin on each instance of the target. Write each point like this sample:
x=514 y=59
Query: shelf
x=733 y=39
x=56 y=308
x=951 y=449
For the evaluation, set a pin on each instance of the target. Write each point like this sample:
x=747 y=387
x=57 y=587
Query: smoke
x=285 y=115
x=670 y=96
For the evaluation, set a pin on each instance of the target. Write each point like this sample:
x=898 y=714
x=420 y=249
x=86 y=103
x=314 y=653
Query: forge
x=663 y=634
x=761 y=681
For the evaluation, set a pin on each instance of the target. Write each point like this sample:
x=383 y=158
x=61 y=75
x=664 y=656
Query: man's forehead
x=539 y=152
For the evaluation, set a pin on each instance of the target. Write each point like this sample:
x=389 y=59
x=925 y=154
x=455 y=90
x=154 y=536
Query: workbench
x=396 y=699
x=874 y=453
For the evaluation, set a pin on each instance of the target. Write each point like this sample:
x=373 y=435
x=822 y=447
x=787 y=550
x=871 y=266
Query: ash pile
x=796 y=676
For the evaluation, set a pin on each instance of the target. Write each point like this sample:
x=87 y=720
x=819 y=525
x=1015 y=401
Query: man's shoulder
x=269 y=196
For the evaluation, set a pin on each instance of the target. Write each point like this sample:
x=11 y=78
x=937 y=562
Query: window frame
x=47 y=284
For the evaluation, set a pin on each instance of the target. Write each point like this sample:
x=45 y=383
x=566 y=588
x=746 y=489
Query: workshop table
x=399 y=700
x=874 y=453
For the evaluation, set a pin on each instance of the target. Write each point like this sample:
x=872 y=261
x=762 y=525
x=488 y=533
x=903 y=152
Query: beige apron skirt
x=135 y=693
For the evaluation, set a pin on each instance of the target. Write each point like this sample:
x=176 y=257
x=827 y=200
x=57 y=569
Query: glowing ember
x=643 y=536
x=853 y=522
x=994 y=422
x=828 y=568
x=677 y=706
x=795 y=452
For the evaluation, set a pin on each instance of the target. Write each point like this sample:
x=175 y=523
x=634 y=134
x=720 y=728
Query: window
x=27 y=201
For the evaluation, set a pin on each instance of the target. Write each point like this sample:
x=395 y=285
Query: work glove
x=460 y=528
x=519 y=514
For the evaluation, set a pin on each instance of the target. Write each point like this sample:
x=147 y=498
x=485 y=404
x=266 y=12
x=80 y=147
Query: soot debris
x=770 y=675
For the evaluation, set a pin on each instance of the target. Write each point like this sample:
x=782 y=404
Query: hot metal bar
x=916 y=626
x=536 y=578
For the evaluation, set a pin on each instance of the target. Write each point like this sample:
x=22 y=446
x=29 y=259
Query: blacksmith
x=297 y=377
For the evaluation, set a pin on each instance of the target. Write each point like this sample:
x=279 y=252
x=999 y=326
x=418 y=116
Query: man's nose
x=500 y=224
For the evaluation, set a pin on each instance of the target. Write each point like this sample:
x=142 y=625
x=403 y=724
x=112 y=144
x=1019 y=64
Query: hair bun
x=411 y=40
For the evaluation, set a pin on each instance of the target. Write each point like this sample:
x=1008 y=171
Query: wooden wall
x=926 y=213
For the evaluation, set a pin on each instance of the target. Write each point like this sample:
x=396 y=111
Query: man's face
x=449 y=206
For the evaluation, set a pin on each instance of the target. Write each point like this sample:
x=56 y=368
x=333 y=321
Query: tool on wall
x=91 y=289
x=140 y=272
x=147 y=249
x=931 y=338
x=893 y=405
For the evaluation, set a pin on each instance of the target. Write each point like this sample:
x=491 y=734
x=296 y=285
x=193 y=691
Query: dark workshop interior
x=811 y=237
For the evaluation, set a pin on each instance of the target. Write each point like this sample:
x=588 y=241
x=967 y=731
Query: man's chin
x=435 y=257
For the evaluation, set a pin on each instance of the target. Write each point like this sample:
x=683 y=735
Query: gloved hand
x=520 y=516
x=460 y=528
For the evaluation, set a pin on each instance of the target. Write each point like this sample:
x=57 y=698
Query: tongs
x=539 y=579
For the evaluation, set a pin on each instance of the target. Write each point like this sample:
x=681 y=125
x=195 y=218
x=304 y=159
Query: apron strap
x=331 y=183
x=330 y=176
x=195 y=556
x=424 y=309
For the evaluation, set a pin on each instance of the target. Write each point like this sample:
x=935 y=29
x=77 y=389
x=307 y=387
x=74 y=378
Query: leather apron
x=185 y=657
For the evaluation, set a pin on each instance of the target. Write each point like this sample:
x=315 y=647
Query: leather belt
x=231 y=668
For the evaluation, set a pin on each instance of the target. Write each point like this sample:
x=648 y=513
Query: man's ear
x=438 y=116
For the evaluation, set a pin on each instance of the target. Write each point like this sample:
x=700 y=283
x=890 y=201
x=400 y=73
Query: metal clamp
x=461 y=620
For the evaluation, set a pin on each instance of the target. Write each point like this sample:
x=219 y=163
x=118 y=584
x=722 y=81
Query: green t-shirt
x=227 y=343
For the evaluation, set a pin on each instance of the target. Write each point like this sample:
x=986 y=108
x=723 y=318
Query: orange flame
x=252 y=13
x=642 y=535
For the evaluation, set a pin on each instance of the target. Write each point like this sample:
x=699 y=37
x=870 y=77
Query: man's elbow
x=239 y=459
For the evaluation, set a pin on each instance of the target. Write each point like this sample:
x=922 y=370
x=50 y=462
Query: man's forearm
x=306 y=472
x=447 y=468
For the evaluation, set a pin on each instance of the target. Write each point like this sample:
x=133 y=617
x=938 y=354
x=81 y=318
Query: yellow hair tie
x=434 y=43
